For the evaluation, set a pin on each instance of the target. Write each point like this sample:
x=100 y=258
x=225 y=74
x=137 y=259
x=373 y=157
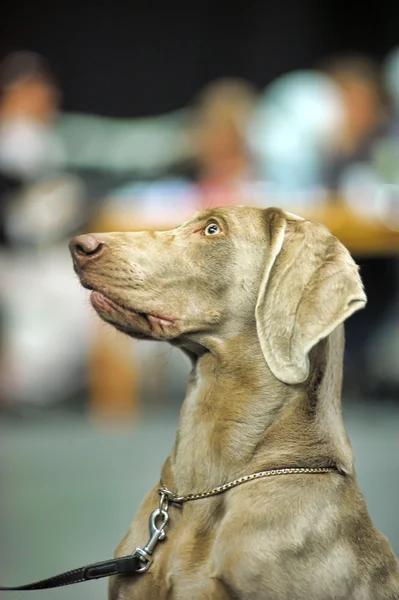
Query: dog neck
x=237 y=418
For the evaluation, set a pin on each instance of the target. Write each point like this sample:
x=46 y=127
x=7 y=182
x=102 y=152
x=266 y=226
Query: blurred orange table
x=114 y=377
x=361 y=236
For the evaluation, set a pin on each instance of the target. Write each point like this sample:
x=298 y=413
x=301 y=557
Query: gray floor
x=69 y=489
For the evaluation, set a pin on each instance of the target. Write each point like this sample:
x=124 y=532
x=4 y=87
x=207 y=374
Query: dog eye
x=212 y=229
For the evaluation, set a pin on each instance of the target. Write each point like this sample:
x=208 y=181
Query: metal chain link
x=176 y=499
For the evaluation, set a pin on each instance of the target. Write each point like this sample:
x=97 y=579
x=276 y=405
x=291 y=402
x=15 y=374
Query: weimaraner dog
x=256 y=298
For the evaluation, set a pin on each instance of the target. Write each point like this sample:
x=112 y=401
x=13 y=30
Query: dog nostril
x=86 y=245
x=88 y=250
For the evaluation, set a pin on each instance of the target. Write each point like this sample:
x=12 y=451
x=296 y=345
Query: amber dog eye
x=212 y=229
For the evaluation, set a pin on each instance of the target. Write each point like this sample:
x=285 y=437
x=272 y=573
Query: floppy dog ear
x=310 y=285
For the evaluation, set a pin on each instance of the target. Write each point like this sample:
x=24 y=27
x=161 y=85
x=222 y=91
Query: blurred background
x=124 y=116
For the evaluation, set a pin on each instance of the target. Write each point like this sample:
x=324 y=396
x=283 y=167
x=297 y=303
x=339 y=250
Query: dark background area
x=155 y=56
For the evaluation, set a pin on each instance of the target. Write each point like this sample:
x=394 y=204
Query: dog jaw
x=132 y=321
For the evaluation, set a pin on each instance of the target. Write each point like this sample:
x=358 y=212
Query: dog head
x=228 y=272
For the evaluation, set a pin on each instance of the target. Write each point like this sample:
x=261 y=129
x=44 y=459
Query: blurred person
x=363 y=159
x=29 y=149
x=391 y=78
x=367 y=117
x=29 y=103
x=222 y=163
x=41 y=207
x=391 y=81
x=357 y=171
x=39 y=199
x=296 y=117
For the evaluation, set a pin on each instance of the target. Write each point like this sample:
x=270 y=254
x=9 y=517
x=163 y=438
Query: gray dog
x=259 y=498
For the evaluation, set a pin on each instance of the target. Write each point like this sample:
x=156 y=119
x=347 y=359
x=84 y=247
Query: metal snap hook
x=157 y=533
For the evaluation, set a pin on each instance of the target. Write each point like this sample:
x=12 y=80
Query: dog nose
x=85 y=247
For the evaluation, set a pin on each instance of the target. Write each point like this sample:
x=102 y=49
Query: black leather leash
x=136 y=563
x=133 y=564
x=126 y=565
x=141 y=560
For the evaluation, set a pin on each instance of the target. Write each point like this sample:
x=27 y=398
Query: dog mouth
x=103 y=303
x=131 y=321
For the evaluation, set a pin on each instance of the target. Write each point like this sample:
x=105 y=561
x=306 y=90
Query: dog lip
x=101 y=300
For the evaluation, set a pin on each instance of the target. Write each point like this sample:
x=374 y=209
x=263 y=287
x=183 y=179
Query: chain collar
x=169 y=496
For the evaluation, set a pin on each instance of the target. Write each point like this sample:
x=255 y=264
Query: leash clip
x=156 y=534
